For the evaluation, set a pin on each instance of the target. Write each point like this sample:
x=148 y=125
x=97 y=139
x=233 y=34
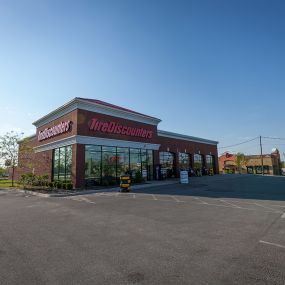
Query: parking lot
x=216 y=230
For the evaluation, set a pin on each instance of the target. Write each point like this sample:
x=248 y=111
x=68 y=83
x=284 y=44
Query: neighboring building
x=227 y=163
x=253 y=165
x=88 y=140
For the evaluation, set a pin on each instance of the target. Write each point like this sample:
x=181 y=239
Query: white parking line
x=278 y=206
x=153 y=196
x=81 y=199
x=240 y=208
x=283 y=216
x=176 y=199
x=251 y=203
x=273 y=244
x=265 y=207
x=202 y=202
x=107 y=194
x=233 y=205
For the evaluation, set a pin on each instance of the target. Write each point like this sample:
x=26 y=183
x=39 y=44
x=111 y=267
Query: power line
x=273 y=144
x=272 y=138
x=239 y=143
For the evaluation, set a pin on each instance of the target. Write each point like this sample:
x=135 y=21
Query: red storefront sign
x=228 y=155
x=59 y=129
x=115 y=128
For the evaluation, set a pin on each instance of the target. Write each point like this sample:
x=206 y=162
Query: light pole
x=261 y=154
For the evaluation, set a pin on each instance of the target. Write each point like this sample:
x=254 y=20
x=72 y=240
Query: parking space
x=213 y=231
x=234 y=203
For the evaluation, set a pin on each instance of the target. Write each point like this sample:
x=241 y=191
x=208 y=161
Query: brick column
x=155 y=162
x=177 y=172
x=78 y=165
x=216 y=161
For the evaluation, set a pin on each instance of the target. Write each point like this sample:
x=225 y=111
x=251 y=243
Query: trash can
x=125 y=183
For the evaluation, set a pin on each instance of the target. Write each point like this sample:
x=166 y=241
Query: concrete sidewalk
x=149 y=184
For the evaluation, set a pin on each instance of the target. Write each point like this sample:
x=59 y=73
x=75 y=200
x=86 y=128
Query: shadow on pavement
x=226 y=186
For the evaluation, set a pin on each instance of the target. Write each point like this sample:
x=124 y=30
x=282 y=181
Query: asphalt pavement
x=216 y=230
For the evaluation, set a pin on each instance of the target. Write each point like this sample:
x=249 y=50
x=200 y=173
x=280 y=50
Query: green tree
x=9 y=150
x=240 y=161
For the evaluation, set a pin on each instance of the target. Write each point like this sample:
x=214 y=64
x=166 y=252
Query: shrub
x=38 y=181
x=23 y=180
x=44 y=180
x=68 y=186
x=27 y=179
x=51 y=184
x=31 y=178
x=59 y=185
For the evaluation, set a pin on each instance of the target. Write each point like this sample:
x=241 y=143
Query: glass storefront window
x=93 y=169
x=135 y=161
x=68 y=162
x=250 y=169
x=258 y=169
x=167 y=163
x=123 y=160
x=149 y=163
x=209 y=162
x=109 y=149
x=61 y=172
x=105 y=165
x=198 y=161
x=93 y=148
x=62 y=163
x=55 y=163
x=184 y=161
x=109 y=166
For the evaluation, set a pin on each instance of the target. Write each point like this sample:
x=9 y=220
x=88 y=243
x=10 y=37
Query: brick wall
x=41 y=163
x=31 y=162
x=177 y=145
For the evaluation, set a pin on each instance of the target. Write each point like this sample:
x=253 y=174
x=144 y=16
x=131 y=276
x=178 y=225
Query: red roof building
x=91 y=142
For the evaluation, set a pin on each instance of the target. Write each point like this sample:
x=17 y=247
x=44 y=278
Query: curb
x=86 y=192
x=59 y=195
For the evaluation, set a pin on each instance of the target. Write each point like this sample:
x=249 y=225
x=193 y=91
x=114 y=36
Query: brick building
x=88 y=140
x=253 y=164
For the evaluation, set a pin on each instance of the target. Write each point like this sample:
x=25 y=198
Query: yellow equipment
x=125 y=183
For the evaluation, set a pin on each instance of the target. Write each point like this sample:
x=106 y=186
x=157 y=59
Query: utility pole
x=261 y=154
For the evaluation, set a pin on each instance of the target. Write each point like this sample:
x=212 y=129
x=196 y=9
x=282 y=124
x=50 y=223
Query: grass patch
x=6 y=183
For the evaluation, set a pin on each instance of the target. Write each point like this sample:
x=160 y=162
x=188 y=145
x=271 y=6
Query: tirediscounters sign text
x=51 y=132
x=115 y=128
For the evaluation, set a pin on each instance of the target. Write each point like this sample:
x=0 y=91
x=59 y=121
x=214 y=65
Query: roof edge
x=185 y=137
x=78 y=103
x=69 y=103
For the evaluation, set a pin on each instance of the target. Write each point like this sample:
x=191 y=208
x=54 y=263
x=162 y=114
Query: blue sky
x=213 y=69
